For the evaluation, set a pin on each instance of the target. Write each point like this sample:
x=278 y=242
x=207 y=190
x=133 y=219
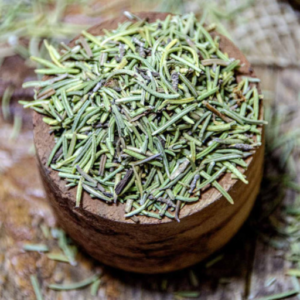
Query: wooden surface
x=151 y=246
x=247 y=261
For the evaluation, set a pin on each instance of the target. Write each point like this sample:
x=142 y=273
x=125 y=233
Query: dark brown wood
x=153 y=246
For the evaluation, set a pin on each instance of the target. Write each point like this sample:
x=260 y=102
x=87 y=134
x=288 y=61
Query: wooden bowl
x=152 y=246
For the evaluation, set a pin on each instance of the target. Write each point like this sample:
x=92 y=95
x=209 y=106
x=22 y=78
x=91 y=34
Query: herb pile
x=148 y=114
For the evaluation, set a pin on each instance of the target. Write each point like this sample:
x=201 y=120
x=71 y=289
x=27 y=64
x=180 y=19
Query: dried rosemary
x=149 y=114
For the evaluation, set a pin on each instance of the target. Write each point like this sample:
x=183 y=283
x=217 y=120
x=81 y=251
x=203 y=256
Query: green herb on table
x=74 y=286
x=186 y=294
x=36 y=247
x=36 y=287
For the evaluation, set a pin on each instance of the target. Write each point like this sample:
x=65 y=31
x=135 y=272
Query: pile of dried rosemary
x=148 y=114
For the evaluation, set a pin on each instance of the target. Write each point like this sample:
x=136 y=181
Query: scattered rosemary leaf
x=187 y=294
x=36 y=287
x=74 y=286
x=36 y=247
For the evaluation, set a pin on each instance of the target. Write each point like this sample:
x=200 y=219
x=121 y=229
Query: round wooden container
x=152 y=246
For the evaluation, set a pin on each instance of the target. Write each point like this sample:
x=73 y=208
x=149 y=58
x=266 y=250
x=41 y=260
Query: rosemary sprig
x=36 y=287
x=73 y=286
